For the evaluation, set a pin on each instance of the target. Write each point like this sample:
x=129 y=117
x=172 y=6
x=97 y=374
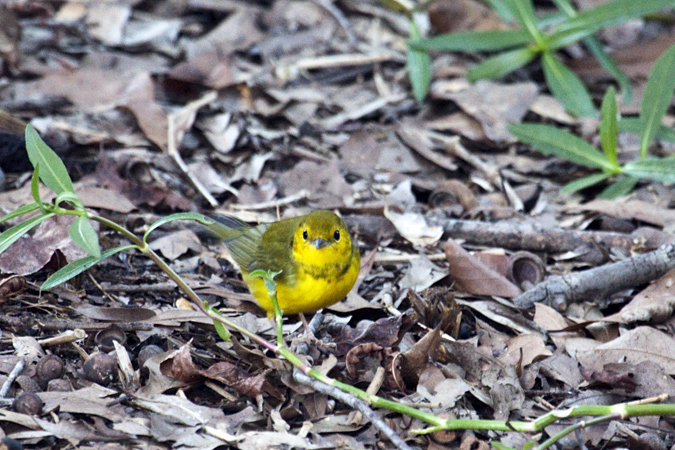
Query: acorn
x=100 y=368
x=28 y=403
x=49 y=368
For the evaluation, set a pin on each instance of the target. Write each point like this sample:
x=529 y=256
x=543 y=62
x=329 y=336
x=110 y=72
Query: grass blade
x=567 y=87
x=473 y=41
x=502 y=64
x=53 y=172
x=554 y=141
x=634 y=125
x=583 y=183
x=611 y=13
x=609 y=130
x=419 y=67
x=657 y=169
x=657 y=97
x=524 y=13
x=621 y=187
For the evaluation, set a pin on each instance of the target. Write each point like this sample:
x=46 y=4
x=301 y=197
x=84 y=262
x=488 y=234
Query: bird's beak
x=319 y=243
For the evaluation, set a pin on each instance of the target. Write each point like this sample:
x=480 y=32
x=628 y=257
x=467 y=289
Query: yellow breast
x=309 y=293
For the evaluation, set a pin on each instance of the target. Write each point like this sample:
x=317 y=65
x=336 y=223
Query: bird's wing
x=240 y=238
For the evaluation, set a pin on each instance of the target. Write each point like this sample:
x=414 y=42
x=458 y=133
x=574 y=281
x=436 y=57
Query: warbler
x=318 y=261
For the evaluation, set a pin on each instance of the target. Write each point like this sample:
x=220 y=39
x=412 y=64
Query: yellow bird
x=319 y=263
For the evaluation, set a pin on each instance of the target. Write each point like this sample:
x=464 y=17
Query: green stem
x=603 y=411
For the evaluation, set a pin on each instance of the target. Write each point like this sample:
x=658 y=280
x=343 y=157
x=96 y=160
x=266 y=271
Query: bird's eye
x=336 y=235
x=305 y=235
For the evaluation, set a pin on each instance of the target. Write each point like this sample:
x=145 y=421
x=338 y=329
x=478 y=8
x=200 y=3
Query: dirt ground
x=271 y=109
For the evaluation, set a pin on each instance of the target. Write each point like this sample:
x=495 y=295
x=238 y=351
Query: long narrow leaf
x=554 y=141
x=178 y=216
x=77 y=267
x=583 y=183
x=657 y=97
x=84 y=236
x=53 y=172
x=657 y=169
x=634 y=125
x=611 y=13
x=609 y=130
x=524 y=14
x=502 y=64
x=567 y=87
x=611 y=67
x=473 y=41
x=419 y=67
x=606 y=61
x=621 y=187
x=20 y=211
x=8 y=237
x=35 y=184
x=503 y=10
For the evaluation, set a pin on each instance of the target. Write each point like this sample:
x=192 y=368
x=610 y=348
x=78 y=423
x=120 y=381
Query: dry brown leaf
x=494 y=105
x=633 y=347
x=653 y=304
x=525 y=349
x=474 y=277
x=50 y=240
x=414 y=228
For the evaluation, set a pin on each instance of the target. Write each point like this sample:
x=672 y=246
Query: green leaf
x=567 y=87
x=621 y=187
x=606 y=61
x=565 y=145
x=657 y=97
x=611 y=67
x=8 y=237
x=502 y=64
x=20 y=211
x=502 y=9
x=268 y=278
x=220 y=328
x=473 y=41
x=84 y=236
x=499 y=446
x=657 y=169
x=609 y=130
x=419 y=67
x=524 y=14
x=71 y=198
x=77 y=267
x=608 y=14
x=35 y=184
x=178 y=216
x=583 y=183
x=634 y=125
x=53 y=172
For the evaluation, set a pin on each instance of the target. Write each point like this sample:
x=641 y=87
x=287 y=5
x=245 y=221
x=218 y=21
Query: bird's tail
x=226 y=227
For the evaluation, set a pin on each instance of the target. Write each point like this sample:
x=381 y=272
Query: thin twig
x=11 y=377
x=172 y=145
x=354 y=403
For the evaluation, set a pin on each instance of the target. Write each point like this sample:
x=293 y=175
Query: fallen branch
x=528 y=236
x=559 y=291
